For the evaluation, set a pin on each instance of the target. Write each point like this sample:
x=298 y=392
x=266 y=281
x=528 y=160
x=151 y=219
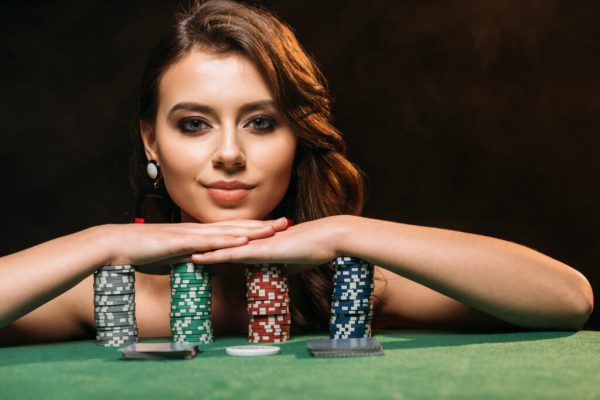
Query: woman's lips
x=228 y=195
x=228 y=192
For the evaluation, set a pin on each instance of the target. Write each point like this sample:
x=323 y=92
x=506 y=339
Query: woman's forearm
x=504 y=279
x=36 y=275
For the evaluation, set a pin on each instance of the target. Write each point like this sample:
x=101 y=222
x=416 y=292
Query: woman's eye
x=262 y=123
x=190 y=125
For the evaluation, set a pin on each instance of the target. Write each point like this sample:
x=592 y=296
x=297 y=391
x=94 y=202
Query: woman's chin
x=219 y=215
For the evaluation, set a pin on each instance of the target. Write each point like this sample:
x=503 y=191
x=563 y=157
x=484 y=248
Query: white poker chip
x=252 y=351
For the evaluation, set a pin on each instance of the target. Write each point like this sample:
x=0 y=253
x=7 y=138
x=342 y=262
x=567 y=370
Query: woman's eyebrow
x=190 y=106
x=256 y=105
x=203 y=108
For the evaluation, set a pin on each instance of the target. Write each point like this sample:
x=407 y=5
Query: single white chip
x=252 y=350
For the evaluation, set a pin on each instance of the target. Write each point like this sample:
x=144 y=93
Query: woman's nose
x=229 y=153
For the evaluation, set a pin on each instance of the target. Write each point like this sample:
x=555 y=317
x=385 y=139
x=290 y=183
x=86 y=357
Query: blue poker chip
x=349 y=328
x=363 y=269
x=352 y=293
x=354 y=267
x=356 y=284
x=353 y=289
x=341 y=308
x=351 y=310
x=352 y=303
x=352 y=273
x=348 y=261
x=342 y=315
x=350 y=320
x=351 y=306
x=347 y=298
x=354 y=279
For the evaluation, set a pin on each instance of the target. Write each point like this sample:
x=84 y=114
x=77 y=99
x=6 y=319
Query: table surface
x=416 y=364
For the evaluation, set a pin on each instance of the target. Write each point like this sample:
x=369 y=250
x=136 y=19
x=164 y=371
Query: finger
x=204 y=243
x=279 y=224
x=229 y=230
x=237 y=254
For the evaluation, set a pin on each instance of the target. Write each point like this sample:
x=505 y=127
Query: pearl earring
x=153 y=170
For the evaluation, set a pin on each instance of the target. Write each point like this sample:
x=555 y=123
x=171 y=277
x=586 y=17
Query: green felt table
x=415 y=365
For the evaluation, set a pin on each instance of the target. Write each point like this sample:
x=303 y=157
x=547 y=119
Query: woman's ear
x=149 y=138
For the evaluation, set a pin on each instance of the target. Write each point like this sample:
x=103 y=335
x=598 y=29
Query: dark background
x=481 y=116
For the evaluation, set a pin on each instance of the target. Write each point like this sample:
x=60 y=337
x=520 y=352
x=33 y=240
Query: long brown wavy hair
x=323 y=181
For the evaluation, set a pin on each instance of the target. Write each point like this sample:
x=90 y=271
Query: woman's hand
x=151 y=247
x=313 y=243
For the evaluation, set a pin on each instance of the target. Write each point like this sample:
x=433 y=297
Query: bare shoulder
x=66 y=317
x=401 y=302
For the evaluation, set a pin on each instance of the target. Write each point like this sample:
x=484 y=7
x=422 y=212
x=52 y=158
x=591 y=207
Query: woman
x=235 y=119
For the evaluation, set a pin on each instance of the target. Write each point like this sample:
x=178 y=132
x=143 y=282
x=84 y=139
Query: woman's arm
x=503 y=279
x=36 y=275
x=483 y=275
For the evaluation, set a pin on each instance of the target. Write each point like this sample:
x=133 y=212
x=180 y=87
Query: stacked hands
x=152 y=248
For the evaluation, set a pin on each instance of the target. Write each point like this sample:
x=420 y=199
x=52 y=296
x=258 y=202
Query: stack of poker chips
x=191 y=303
x=114 y=305
x=352 y=304
x=268 y=304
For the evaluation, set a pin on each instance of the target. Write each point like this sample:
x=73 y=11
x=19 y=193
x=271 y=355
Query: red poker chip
x=266 y=271
x=267 y=324
x=273 y=340
x=274 y=307
x=268 y=335
x=264 y=280
x=269 y=328
x=268 y=311
x=261 y=283
x=266 y=292
x=267 y=318
x=267 y=338
x=262 y=293
x=265 y=276
x=258 y=299
x=267 y=296
x=284 y=319
x=284 y=308
x=269 y=302
x=266 y=288
x=276 y=330
x=270 y=323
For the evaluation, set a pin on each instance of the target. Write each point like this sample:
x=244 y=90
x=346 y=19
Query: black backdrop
x=468 y=115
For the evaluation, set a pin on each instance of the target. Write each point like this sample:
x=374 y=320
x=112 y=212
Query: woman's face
x=225 y=150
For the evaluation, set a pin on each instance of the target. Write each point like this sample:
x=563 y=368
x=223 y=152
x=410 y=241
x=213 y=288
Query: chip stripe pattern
x=352 y=299
x=114 y=305
x=191 y=303
x=268 y=304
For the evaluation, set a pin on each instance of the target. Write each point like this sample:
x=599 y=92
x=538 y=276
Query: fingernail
x=290 y=222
